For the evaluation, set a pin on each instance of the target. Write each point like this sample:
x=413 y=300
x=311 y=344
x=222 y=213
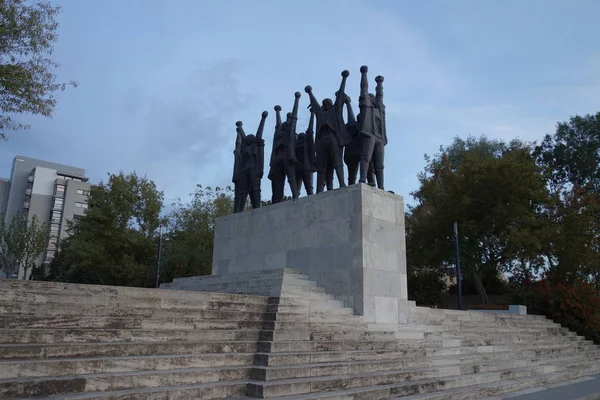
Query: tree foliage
x=571 y=162
x=494 y=191
x=572 y=155
x=27 y=79
x=188 y=246
x=22 y=241
x=115 y=243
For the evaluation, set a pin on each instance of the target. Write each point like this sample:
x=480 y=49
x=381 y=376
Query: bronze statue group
x=359 y=143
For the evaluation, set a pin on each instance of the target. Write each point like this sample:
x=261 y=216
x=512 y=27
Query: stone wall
x=351 y=241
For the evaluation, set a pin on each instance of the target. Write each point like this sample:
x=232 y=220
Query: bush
x=575 y=306
x=426 y=287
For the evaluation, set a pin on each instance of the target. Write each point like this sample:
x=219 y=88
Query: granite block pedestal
x=351 y=241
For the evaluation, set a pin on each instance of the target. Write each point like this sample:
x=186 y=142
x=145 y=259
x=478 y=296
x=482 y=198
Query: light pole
x=458 y=273
x=159 y=254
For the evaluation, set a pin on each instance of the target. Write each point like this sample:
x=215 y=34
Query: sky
x=162 y=82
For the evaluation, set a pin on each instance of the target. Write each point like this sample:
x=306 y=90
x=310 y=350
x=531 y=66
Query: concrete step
x=32 y=288
x=483 y=346
x=73 y=322
x=467 y=364
x=503 y=387
x=97 y=365
x=58 y=299
x=204 y=391
x=316 y=352
x=21 y=336
x=72 y=384
x=121 y=349
x=313 y=388
x=330 y=335
x=124 y=312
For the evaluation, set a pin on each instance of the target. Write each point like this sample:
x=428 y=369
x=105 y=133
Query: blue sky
x=161 y=83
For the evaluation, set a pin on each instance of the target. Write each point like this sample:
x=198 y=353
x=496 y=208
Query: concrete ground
x=587 y=388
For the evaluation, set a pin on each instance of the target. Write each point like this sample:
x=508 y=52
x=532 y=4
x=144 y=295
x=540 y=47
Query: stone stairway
x=66 y=341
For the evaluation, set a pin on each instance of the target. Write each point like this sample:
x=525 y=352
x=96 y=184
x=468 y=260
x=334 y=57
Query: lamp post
x=158 y=256
x=458 y=273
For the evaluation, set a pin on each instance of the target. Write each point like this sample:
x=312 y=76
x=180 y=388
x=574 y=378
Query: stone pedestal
x=350 y=241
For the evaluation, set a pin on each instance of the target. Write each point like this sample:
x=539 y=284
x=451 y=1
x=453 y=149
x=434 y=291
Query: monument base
x=350 y=241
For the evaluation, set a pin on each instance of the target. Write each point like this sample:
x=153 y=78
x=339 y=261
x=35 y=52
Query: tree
x=494 y=191
x=27 y=81
x=189 y=243
x=24 y=240
x=572 y=154
x=570 y=159
x=115 y=243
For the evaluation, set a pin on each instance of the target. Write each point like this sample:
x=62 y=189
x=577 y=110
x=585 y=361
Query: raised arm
x=311 y=123
x=351 y=117
x=339 y=95
x=379 y=89
x=297 y=96
x=277 y=117
x=314 y=104
x=261 y=125
x=240 y=131
x=364 y=82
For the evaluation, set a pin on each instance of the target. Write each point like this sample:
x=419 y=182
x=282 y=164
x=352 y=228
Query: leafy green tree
x=27 y=81
x=494 y=191
x=570 y=159
x=188 y=246
x=22 y=242
x=115 y=243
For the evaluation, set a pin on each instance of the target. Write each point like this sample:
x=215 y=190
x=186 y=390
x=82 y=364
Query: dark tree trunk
x=478 y=279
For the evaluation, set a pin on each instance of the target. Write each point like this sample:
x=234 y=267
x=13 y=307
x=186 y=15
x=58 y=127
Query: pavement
x=586 y=388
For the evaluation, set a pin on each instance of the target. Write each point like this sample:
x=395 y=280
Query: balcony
x=26 y=205
x=30 y=178
x=28 y=192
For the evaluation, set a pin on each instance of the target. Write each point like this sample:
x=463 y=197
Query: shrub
x=426 y=287
x=575 y=306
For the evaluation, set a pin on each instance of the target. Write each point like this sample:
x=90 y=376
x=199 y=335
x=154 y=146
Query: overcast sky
x=162 y=83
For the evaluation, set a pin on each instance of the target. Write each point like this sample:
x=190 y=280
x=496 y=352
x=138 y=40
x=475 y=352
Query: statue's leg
x=371 y=175
x=329 y=175
x=307 y=177
x=290 y=170
x=336 y=157
x=255 y=191
x=321 y=165
x=299 y=175
x=378 y=155
x=352 y=170
x=236 y=197
x=366 y=146
x=244 y=190
x=278 y=183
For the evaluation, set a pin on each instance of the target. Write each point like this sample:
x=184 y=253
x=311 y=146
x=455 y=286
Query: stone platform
x=76 y=342
x=350 y=241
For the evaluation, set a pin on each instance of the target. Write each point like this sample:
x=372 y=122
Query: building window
x=59 y=190
x=58 y=204
x=81 y=205
x=83 y=192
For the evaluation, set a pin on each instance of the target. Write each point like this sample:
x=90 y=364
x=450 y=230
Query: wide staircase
x=67 y=341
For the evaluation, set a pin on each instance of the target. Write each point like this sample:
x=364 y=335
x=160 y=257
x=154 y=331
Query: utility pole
x=159 y=254
x=458 y=273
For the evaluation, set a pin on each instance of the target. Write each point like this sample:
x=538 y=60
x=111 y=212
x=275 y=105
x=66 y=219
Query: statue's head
x=372 y=96
x=285 y=126
x=301 y=137
x=358 y=116
x=249 y=139
x=327 y=103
